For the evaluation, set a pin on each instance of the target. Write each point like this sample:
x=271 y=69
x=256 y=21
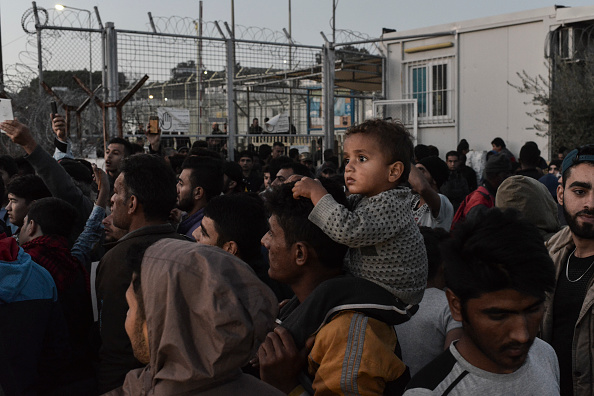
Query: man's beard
x=586 y=230
x=185 y=204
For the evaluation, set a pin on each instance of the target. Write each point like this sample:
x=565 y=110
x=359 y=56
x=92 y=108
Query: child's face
x=367 y=171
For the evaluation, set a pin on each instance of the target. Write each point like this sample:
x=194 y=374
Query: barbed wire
x=19 y=75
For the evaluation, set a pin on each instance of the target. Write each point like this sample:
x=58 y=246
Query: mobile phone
x=54 y=108
x=153 y=125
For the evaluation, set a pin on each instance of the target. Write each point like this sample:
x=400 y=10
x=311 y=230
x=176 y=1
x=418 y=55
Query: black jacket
x=113 y=278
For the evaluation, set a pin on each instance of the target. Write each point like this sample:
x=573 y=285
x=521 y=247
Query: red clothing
x=52 y=253
x=480 y=196
x=72 y=281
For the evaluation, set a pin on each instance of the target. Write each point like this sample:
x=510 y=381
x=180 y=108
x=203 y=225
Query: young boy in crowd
x=385 y=245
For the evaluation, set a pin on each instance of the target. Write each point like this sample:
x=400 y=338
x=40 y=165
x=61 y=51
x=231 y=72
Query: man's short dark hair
x=9 y=165
x=393 y=139
x=557 y=163
x=245 y=154
x=433 y=150
x=196 y=151
x=452 y=153
x=433 y=237
x=151 y=180
x=275 y=165
x=298 y=168
x=293 y=215
x=176 y=162
x=421 y=151
x=24 y=166
x=278 y=144
x=294 y=153
x=462 y=146
x=437 y=168
x=529 y=155
x=77 y=170
x=54 y=215
x=264 y=151
x=207 y=173
x=241 y=218
x=497 y=250
x=199 y=144
x=328 y=153
x=28 y=187
x=498 y=142
x=128 y=149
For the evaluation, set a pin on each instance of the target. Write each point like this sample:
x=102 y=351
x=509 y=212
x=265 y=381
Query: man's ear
x=198 y=193
x=230 y=247
x=455 y=305
x=301 y=253
x=132 y=204
x=560 y=192
x=32 y=228
x=396 y=170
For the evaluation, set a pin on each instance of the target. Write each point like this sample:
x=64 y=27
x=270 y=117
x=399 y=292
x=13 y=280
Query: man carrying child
x=385 y=245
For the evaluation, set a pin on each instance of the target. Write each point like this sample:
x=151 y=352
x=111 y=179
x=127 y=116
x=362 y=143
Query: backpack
x=460 y=216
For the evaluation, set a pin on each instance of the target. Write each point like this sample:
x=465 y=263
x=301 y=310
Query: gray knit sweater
x=385 y=245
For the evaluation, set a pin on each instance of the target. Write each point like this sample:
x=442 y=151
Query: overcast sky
x=309 y=17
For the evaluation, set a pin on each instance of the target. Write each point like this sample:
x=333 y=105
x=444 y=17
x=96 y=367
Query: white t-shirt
x=424 y=217
x=450 y=373
x=423 y=336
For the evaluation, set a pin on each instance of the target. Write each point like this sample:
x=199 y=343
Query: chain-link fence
x=281 y=83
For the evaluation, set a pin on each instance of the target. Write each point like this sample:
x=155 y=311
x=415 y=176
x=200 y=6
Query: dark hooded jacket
x=34 y=346
x=206 y=314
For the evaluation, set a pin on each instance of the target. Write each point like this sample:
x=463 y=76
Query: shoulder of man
x=562 y=239
x=116 y=255
x=434 y=373
x=155 y=232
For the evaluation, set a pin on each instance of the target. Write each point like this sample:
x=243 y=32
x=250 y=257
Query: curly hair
x=292 y=215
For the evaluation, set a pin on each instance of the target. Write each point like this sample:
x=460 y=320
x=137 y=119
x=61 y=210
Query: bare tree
x=564 y=100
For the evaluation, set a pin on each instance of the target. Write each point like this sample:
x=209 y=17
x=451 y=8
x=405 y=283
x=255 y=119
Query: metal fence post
x=111 y=64
x=39 y=49
x=231 y=110
x=328 y=95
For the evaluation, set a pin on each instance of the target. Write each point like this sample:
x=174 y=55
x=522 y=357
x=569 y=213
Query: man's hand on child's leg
x=309 y=188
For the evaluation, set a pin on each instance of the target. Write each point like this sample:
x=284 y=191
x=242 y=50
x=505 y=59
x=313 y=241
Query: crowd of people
x=390 y=271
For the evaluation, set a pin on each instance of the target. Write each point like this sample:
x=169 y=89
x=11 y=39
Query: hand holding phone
x=6 y=111
x=153 y=128
x=54 y=108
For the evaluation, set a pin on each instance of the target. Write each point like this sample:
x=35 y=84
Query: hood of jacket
x=533 y=200
x=20 y=278
x=207 y=313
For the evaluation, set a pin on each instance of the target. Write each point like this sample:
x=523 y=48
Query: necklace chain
x=567 y=269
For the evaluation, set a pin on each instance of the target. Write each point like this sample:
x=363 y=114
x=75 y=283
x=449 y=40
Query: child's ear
x=396 y=170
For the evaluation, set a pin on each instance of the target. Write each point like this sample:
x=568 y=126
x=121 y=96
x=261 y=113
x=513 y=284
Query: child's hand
x=309 y=188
